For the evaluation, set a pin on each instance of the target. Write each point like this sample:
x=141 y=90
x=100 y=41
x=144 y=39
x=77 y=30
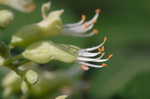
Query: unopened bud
x=43 y=52
x=6 y=18
x=31 y=76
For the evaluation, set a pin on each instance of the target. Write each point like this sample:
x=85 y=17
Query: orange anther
x=98 y=11
x=104 y=65
x=83 y=17
x=110 y=56
x=102 y=49
x=85 y=67
x=105 y=38
x=95 y=31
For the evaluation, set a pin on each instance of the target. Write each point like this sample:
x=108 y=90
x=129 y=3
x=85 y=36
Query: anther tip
x=95 y=31
x=102 y=49
x=110 y=56
x=85 y=68
x=104 y=65
x=98 y=11
x=83 y=17
x=105 y=38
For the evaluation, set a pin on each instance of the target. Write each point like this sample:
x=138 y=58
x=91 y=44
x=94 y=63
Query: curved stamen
x=88 y=54
x=78 y=29
x=93 y=65
x=96 y=47
x=94 y=19
x=92 y=60
x=102 y=55
x=83 y=18
x=81 y=35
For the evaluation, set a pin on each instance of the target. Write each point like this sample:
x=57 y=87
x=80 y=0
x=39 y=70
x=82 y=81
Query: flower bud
x=6 y=17
x=11 y=84
x=31 y=76
x=24 y=87
x=45 y=51
x=20 y=5
x=51 y=25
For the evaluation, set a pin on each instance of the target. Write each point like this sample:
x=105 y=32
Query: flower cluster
x=45 y=51
x=37 y=48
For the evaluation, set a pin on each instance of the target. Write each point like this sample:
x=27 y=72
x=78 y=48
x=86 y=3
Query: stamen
x=104 y=65
x=91 y=65
x=83 y=18
x=102 y=49
x=91 y=59
x=78 y=29
x=88 y=54
x=94 y=19
x=98 y=11
x=102 y=55
x=96 y=31
x=110 y=56
x=96 y=47
x=105 y=38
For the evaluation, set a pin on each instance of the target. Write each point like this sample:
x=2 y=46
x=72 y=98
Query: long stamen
x=88 y=54
x=92 y=60
x=102 y=55
x=83 y=18
x=96 y=47
x=83 y=35
x=102 y=49
x=92 y=65
x=94 y=19
x=79 y=29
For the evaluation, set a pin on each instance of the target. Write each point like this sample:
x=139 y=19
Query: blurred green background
x=126 y=24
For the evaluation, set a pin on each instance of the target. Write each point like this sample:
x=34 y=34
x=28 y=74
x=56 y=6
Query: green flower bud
x=51 y=25
x=1 y=60
x=24 y=87
x=31 y=76
x=11 y=84
x=45 y=51
x=20 y=5
x=6 y=17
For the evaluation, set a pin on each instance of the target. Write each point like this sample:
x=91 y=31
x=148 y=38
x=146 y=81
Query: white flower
x=88 y=58
x=81 y=28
